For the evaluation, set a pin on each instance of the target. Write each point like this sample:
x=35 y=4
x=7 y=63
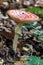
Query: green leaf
x=34 y=60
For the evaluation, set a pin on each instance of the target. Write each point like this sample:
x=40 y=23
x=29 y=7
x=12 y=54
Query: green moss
x=36 y=10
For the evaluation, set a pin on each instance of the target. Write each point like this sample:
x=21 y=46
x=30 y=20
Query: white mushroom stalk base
x=17 y=32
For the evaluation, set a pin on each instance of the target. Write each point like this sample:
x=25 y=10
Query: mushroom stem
x=17 y=32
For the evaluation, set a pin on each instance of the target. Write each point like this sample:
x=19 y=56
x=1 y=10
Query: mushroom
x=21 y=17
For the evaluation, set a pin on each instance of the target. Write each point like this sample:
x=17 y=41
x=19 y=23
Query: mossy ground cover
x=35 y=10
